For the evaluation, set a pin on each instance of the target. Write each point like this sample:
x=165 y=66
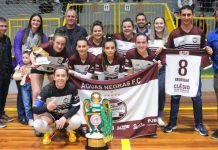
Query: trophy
x=41 y=56
x=98 y=115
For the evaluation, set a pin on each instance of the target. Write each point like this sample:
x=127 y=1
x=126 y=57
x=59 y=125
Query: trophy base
x=93 y=144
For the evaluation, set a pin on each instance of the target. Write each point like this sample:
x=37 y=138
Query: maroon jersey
x=77 y=65
x=48 y=47
x=137 y=62
x=120 y=36
x=195 y=39
x=112 y=68
x=93 y=48
x=123 y=45
x=54 y=58
x=92 y=44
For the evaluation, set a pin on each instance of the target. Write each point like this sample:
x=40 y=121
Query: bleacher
x=24 y=8
x=91 y=11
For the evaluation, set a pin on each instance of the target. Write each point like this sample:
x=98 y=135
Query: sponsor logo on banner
x=137 y=126
x=119 y=109
x=152 y=121
x=123 y=127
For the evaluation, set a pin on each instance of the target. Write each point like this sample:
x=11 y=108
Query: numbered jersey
x=193 y=40
x=182 y=72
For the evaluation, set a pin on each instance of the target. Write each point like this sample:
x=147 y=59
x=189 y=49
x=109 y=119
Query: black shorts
x=51 y=116
x=40 y=72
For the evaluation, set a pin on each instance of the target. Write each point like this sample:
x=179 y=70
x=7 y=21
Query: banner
x=183 y=71
x=134 y=101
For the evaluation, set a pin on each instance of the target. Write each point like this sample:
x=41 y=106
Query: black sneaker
x=6 y=118
x=215 y=135
x=38 y=134
x=2 y=124
x=169 y=128
x=23 y=121
x=201 y=129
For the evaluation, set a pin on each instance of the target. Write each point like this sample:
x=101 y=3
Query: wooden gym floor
x=21 y=137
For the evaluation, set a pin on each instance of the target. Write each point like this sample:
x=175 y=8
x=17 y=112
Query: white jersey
x=155 y=44
x=83 y=69
x=53 y=63
x=182 y=72
x=188 y=42
x=95 y=50
x=139 y=65
x=124 y=46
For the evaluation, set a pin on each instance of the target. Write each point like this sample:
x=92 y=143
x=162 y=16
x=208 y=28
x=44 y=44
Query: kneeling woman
x=59 y=104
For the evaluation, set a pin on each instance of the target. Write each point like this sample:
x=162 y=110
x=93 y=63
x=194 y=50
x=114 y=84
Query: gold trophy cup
x=98 y=116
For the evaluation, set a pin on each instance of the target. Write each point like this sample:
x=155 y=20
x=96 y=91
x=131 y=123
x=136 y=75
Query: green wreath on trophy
x=98 y=115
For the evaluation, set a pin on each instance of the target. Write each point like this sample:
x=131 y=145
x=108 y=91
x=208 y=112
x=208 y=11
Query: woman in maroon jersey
x=110 y=64
x=126 y=39
x=82 y=63
x=140 y=58
x=95 y=41
x=57 y=56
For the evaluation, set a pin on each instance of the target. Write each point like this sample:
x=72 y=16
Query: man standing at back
x=5 y=70
x=142 y=27
x=73 y=31
x=182 y=38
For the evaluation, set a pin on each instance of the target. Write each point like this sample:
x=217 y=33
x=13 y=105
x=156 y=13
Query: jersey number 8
x=182 y=67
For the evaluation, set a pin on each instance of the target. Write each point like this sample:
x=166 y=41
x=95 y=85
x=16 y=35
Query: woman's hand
x=33 y=61
x=71 y=71
x=60 y=123
x=158 y=51
x=34 y=66
x=25 y=70
x=209 y=50
x=159 y=64
x=22 y=68
x=52 y=105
